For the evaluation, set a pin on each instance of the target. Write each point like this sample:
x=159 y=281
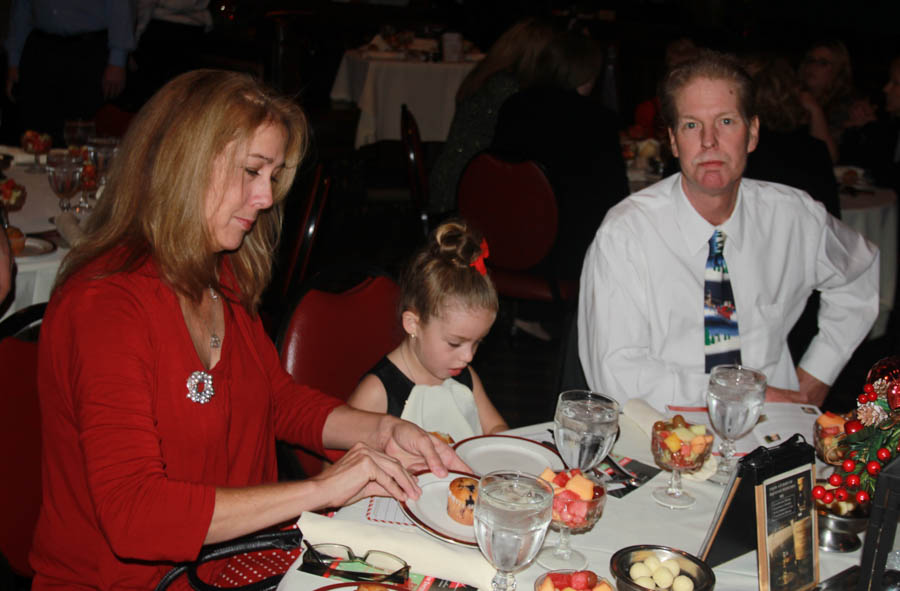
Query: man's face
x=711 y=138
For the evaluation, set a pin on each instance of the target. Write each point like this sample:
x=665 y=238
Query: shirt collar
x=696 y=231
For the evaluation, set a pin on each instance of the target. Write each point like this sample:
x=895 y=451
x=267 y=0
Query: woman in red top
x=161 y=395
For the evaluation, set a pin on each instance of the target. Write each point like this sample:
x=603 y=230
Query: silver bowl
x=838 y=533
x=691 y=566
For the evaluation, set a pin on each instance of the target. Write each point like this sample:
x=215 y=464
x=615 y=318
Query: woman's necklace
x=215 y=341
x=195 y=393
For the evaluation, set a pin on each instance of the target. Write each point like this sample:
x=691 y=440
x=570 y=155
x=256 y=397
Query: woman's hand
x=860 y=113
x=416 y=449
x=364 y=472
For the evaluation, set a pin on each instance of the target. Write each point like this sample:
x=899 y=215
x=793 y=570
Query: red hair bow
x=479 y=262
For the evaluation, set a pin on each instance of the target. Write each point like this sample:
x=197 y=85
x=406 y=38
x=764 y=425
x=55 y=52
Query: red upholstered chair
x=20 y=438
x=415 y=167
x=513 y=205
x=332 y=338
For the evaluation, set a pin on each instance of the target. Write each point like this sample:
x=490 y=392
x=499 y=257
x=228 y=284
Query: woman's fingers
x=364 y=471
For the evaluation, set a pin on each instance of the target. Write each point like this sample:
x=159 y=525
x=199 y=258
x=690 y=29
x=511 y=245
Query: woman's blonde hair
x=777 y=92
x=442 y=271
x=154 y=201
x=516 y=51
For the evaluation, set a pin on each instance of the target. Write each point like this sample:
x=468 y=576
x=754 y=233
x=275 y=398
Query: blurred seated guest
x=65 y=59
x=573 y=137
x=161 y=394
x=786 y=153
x=508 y=66
x=827 y=91
x=876 y=146
x=707 y=267
x=648 y=121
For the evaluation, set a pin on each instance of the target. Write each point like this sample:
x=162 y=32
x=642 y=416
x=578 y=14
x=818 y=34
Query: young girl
x=448 y=305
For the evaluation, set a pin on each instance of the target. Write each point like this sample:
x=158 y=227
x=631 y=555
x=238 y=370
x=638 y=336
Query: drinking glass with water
x=734 y=398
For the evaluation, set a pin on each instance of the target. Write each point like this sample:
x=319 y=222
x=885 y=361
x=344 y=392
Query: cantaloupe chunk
x=581 y=486
x=546 y=584
x=548 y=475
x=829 y=419
x=602 y=586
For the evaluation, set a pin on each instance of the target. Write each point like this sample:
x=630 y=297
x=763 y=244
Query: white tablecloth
x=379 y=86
x=874 y=215
x=34 y=274
x=633 y=519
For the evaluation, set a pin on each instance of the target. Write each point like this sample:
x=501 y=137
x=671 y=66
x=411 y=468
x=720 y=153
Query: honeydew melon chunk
x=698 y=429
x=639 y=570
x=663 y=577
x=684 y=433
x=682 y=583
x=646 y=582
x=672 y=565
x=652 y=562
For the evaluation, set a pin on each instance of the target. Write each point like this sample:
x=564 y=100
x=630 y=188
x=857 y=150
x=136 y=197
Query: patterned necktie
x=723 y=342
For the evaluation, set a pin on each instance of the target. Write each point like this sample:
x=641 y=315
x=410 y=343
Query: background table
x=379 y=86
x=874 y=215
x=34 y=275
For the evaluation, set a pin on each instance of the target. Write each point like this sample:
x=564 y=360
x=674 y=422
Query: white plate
x=487 y=453
x=429 y=512
x=36 y=246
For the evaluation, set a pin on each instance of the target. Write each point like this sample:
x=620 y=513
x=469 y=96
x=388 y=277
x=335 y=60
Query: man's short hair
x=710 y=64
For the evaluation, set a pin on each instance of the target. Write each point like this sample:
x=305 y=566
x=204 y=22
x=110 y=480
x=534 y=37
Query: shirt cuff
x=822 y=363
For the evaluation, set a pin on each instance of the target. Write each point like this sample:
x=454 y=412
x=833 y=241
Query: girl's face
x=446 y=344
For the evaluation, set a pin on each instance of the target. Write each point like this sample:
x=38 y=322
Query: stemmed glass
x=76 y=132
x=681 y=456
x=585 y=427
x=64 y=175
x=37 y=144
x=512 y=513
x=734 y=397
x=101 y=151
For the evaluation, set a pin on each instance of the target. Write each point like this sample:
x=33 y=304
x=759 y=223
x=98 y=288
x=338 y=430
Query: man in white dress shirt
x=644 y=306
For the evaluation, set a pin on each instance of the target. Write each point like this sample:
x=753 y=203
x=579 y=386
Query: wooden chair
x=333 y=337
x=513 y=205
x=415 y=167
x=20 y=437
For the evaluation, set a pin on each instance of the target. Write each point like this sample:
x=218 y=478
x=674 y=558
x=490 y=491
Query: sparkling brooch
x=194 y=393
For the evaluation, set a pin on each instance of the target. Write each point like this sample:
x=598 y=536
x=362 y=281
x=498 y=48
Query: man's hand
x=12 y=78
x=811 y=391
x=113 y=81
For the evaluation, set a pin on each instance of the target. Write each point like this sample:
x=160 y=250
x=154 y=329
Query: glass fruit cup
x=572 y=513
x=686 y=456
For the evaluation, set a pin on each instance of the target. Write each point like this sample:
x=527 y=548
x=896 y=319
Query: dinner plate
x=429 y=511
x=358 y=583
x=36 y=246
x=487 y=453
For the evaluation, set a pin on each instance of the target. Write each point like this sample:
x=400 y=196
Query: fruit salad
x=12 y=195
x=679 y=445
x=578 y=499
x=36 y=143
x=581 y=580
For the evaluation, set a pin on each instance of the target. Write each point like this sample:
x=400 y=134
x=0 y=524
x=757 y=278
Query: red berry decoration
x=883 y=454
x=828 y=497
x=862 y=398
x=835 y=479
x=853 y=480
x=841 y=494
x=848 y=465
x=873 y=468
x=862 y=497
x=854 y=453
x=818 y=492
x=873 y=397
x=868 y=388
x=852 y=426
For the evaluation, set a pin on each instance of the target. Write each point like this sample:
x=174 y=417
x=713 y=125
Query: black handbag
x=286 y=540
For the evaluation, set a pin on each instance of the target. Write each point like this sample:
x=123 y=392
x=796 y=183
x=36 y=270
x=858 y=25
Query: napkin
x=67 y=225
x=377 y=44
x=424 y=555
x=645 y=415
x=19 y=155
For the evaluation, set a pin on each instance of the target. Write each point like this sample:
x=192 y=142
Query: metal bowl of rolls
x=663 y=567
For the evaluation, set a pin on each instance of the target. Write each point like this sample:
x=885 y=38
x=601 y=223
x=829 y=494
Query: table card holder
x=767 y=506
x=879 y=539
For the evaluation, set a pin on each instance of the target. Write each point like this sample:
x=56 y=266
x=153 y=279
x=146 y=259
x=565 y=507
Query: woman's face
x=819 y=70
x=242 y=187
x=892 y=90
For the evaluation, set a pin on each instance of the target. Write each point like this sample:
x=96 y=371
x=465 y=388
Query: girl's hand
x=365 y=472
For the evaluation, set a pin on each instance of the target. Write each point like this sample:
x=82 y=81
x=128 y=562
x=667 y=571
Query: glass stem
x=563 y=549
x=726 y=448
x=674 y=489
x=503 y=582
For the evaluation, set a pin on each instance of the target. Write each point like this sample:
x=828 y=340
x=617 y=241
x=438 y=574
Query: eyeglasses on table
x=335 y=560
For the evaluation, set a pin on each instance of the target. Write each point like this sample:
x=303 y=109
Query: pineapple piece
x=672 y=442
x=581 y=486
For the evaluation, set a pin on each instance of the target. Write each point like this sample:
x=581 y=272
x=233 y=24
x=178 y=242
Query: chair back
x=306 y=230
x=20 y=438
x=514 y=207
x=415 y=166
x=331 y=339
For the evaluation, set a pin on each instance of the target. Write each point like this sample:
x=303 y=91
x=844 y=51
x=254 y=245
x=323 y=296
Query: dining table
x=379 y=82
x=872 y=211
x=633 y=519
x=37 y=266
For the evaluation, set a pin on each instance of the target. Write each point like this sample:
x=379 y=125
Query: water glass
x=734 y=396
x=585 y=427
x=76 y=132
x=64 y=176
x=512 y=513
